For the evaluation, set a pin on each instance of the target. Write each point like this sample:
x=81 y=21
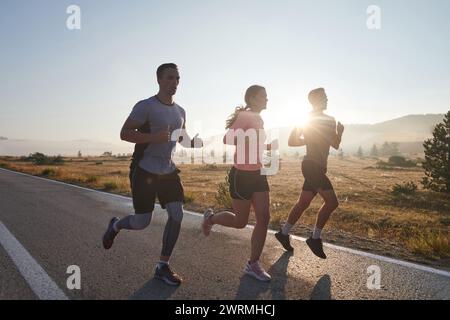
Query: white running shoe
x=256 y=271
x=207 y=225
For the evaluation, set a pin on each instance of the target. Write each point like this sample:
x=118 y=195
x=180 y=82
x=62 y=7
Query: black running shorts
x=146 y=186
x=315 y=177
x=244 y=183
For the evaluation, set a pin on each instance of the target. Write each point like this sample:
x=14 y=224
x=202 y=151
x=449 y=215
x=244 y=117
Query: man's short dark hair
x=314 y=94
x=161 y=68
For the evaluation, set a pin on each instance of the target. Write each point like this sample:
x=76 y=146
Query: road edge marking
x=35 y=276
x=329 y=245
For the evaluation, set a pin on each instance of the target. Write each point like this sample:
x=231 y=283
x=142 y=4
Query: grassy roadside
x=413 y=227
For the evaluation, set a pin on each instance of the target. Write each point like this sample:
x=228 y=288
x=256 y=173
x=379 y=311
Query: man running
x=155 y=125
x=319 y=134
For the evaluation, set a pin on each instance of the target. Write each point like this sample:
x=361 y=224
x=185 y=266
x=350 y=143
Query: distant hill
x=409 y=131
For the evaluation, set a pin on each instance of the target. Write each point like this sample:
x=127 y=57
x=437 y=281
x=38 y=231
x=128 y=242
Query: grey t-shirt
x=157 y=158
x=318 y=134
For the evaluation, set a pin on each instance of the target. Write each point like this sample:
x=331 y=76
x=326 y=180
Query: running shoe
x=256 y=271
x=165 y=274
x=206 y=224
x=110 y=234
x=316 y=247
x=284 y=239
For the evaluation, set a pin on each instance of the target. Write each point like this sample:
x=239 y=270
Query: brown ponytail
x=251 y=92
x=232 y=118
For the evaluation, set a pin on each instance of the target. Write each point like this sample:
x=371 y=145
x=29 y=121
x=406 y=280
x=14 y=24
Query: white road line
x=38 y=280
x=332 y=246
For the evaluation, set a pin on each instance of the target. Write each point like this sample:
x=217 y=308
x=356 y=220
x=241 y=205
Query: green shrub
x=91 y=178
x=4 y=165
x=57 y=160
x=210 y=166
x=396 y=161
x=399 y=161
x=189 y=198
x=108 y=186
x=405 y=188
x=445 y=221
x=222 y=196
x=431 y=245
x=41 y=159
x=48 y=172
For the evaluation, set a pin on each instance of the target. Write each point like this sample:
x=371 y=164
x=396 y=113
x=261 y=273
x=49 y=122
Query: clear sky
x=60 y=84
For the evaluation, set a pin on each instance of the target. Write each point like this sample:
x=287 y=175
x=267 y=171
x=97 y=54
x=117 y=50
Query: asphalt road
x=46 y=226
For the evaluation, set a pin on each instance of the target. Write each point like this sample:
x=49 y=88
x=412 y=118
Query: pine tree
x=394 y=149
x=437 y=158
x=389 y=149
x=385 y=149
x=360 y=152
x=374 y=151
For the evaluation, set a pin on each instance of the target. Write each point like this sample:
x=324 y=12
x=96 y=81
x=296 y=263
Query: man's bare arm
x=336 y=140
x=186 y=141
x=295 y=139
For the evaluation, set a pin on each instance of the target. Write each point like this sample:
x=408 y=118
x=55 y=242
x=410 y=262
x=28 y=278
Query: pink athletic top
x=247 y=156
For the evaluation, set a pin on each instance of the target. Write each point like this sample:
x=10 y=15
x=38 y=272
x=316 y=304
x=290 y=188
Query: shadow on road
x=154 y=289
x=322 y=289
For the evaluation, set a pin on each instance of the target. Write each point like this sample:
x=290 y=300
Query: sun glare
x=290 y=115
x=297 y=117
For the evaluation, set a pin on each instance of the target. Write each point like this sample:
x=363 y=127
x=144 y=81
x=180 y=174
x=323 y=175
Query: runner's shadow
x=251 y=289
x=322 y=289
x=154 y=289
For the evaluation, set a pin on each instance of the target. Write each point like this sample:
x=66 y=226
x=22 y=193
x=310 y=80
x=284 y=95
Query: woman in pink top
x=248 y=187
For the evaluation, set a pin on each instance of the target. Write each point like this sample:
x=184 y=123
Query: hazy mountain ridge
x=409 y=131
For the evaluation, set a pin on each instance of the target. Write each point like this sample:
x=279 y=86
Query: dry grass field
x=370 y=217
